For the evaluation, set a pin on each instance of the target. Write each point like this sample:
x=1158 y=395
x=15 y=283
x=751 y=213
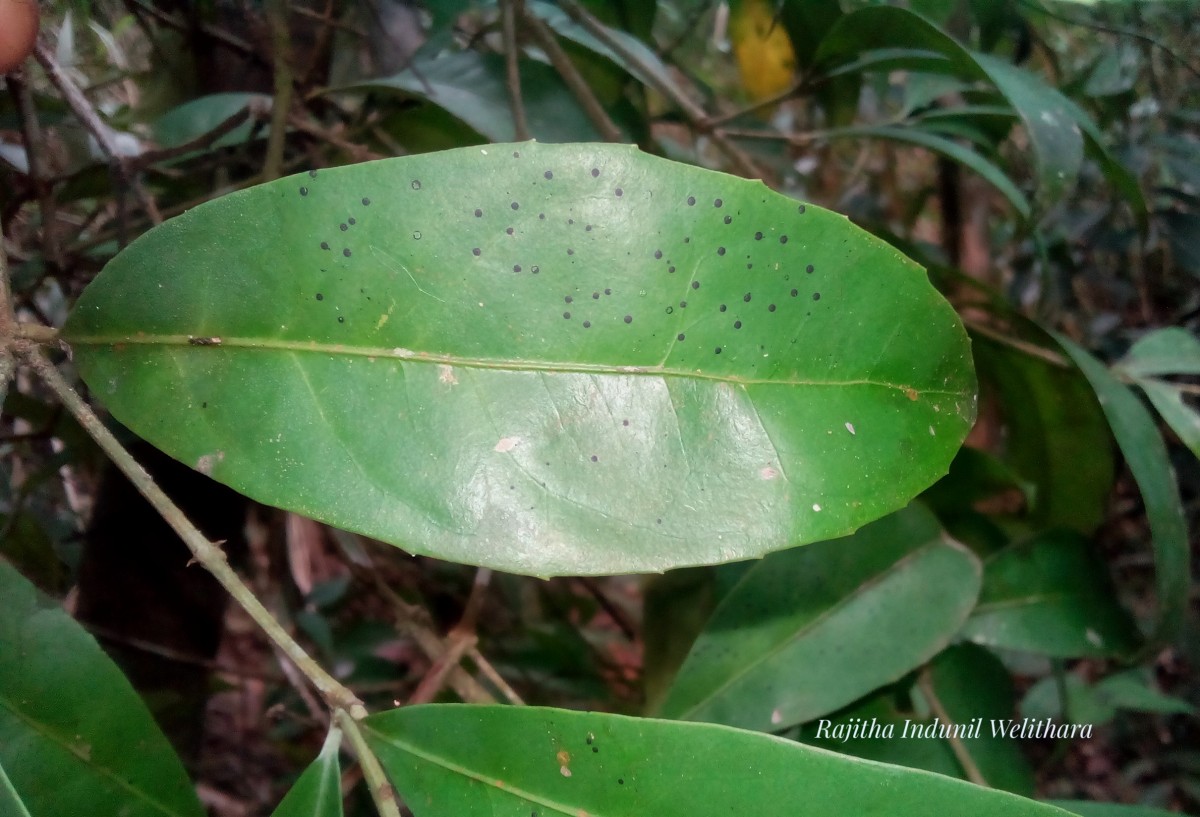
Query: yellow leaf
x=762 y=48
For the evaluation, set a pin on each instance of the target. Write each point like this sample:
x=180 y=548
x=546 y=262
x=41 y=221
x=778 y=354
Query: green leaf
x=967 y=683
x=197 y=117
x=490 y=761
x=1057 y=436
x=318 y=792
x=948 y=148
x=1050 y=595
x=1086 y=808
x=808 y=631
x=74 y=736
x=1134 y=691
x=10 y=800
x=1098 y=703
x=1182 y=418
x=1050 y=122
x=586 y=377
x=1164 y=351
x=470 y=87
x=1146 y=455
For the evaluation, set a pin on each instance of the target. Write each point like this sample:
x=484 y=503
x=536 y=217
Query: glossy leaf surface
x=318 y=792
x=1146 y=455
x=808 y=631
x=544 y=359
x=475 y=761
x=1050 y=595
x=74 y=736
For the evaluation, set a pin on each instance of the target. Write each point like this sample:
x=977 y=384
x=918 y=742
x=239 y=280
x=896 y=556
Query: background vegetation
x=1040 y=159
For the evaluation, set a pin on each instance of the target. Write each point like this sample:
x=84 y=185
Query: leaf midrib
x=102 y=770
x=203 y=343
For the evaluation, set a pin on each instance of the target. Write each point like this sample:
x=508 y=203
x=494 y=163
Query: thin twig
x=575 y=82
x=219 y=34
x=204 y=140
x=382 y=791
x=412 y=622
x=39 y=174
x=281 y=60
x=694 y=113
x=209 y=555
x=86 y=114
x=435 y=678
x=956 y=745
x=490 y=672
x=509 y=10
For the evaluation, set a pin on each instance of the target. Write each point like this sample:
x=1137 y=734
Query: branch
x=509 y=10
x=382 y=791
x=694 y=113
x=970 y=768
x=575 y=82
x=39 y=174
x=83 y=110
x=208 y=554
x=277 y=14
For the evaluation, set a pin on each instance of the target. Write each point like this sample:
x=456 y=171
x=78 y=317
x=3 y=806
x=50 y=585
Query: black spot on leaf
x=628 y=319
x=746 y=297
x=691 y=201
x=720 y=250
x=587 y=324
x=771 y=307
x=303 y=191
x=816 y=296
x=595 y=172
x=619 y=192
x=680 y=336
x=476 y=251
x=737 y=324
x=366 y=202
x=324 y=245
x=728 y=219
x=717 y=202
x=695 y=284
x=515 y=206
x=320 y=297
x=567 y=315
x=478 y=213
x=346 y=252
x=783 y=239
x=416 y=184
x=548 y=174
x=809 y=268
x=723 y=307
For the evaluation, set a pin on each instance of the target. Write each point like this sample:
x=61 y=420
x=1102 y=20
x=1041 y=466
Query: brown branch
x=86 y=114
x=281 y=61
x=575 y=82
x=39 y=174
x=509 y=11
x=695 y=114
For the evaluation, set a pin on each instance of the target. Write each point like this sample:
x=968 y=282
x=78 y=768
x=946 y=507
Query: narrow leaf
x=475 y=761
x=951 y=150
x=1164 y=351
x=10 y=800
x=74 y=736
x=1050 y=121
x=318 y=792
x=544 y=359
x=1182 y=418
x=1050 y=595
x=808 y=631
x=1146 y=456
